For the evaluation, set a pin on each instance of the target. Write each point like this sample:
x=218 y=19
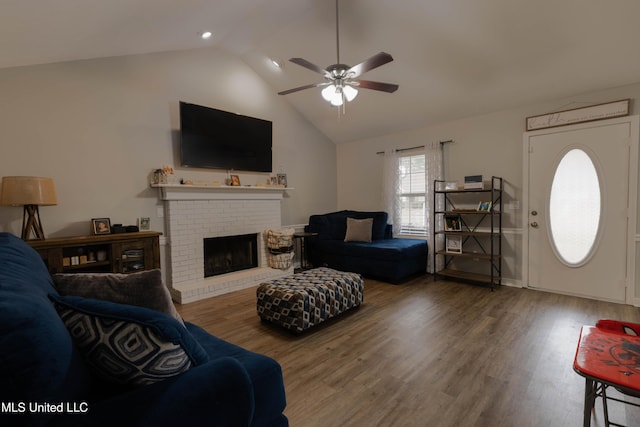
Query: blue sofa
x=46 y=381
x=384 y=257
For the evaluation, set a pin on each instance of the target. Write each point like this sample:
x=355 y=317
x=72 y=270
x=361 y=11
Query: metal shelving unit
x=479 y=232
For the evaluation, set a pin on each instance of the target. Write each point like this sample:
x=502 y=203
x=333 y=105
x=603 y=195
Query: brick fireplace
x=196 y=213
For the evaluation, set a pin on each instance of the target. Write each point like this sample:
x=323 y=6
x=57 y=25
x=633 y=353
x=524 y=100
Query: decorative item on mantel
x=228 y=181
x=282 y=179
x=272 y=182
x=161 y=176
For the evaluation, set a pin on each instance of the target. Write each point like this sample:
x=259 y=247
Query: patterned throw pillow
x=128 y=344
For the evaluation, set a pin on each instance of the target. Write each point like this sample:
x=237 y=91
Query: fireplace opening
x=230 y=253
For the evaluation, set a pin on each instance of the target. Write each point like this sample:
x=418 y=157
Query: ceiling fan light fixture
x=350 y=92
x=334 y=94
x=328 y=93
x=342 y=81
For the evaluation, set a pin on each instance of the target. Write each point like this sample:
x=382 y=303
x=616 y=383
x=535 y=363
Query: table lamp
x=30 y=192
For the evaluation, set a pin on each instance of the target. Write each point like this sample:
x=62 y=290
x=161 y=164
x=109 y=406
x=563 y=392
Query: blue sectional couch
x=48 y=381
x=384 y=257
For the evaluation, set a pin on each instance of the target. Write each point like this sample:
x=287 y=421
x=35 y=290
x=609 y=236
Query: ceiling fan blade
x=374 y=62
x=367 y=84
x=310 y=66
x=297 y=89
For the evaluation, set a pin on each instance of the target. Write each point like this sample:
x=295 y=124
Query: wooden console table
x=109 y=253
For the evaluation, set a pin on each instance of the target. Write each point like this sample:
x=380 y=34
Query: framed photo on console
x=100 y=226
x=144 y=223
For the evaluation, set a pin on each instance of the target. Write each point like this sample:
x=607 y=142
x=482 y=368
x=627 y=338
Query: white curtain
x=391 y=191
x=391 y=188
x=434 y=170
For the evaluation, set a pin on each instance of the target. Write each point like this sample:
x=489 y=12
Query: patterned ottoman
x=305 y=299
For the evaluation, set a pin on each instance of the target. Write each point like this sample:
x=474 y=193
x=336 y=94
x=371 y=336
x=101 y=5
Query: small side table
x=301 y=238
x=607 y=359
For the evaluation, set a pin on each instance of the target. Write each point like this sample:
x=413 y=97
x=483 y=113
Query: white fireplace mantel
x=219 y=192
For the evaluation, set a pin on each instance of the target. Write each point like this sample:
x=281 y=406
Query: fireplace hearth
x=230 y=253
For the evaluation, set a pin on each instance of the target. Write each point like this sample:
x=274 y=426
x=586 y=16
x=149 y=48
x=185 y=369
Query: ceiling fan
x=341 y=81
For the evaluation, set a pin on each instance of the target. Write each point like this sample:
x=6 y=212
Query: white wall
x=99 y=127
x=489 y=145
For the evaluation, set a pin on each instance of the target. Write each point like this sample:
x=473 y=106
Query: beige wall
x=99 y=127
x=489 y=145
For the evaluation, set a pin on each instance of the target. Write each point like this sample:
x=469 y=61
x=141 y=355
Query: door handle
x=534 y=224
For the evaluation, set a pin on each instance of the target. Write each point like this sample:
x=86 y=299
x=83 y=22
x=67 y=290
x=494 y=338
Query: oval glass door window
x=574 y=207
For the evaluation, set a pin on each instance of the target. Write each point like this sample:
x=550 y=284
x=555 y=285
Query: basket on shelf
x=280 y=248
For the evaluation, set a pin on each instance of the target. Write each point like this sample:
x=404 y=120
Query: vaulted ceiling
x=452 y=58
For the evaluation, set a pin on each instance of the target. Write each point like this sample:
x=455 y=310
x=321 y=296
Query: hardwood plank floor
x=428 y=353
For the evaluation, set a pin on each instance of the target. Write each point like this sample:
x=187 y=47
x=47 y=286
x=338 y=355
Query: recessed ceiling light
x=206 y=34
x=277 y=62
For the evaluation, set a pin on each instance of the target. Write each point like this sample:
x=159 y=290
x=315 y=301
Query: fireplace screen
x=230 y=253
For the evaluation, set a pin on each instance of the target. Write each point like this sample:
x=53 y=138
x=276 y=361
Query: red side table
x=607 y=359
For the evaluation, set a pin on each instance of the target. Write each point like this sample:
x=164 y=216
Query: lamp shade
x=28 y=190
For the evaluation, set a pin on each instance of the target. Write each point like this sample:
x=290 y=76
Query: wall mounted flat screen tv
x=217 y=139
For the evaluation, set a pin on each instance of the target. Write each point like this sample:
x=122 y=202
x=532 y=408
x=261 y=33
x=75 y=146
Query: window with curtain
x=412 y=194
x=407 y=195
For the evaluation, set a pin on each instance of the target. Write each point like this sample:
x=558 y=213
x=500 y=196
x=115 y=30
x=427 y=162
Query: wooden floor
x=428 y=353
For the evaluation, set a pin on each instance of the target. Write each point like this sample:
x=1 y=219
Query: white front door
x=577 y=219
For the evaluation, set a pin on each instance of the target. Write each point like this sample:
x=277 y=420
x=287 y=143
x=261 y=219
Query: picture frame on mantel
x=607 y=110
